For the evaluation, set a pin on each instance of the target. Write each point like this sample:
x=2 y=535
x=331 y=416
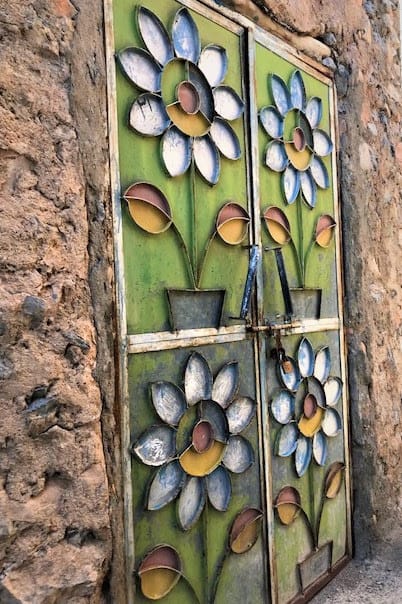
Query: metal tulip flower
x=184 y=99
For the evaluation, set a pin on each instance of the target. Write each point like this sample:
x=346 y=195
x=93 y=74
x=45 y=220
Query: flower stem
x=301 y=233
x=299 y=266
x=218 y=573
x=191 y=589
x=312 y=505
x=193 y=206
x=204 y=257
x=205 y=552
x=307 y=254
x=186 y=256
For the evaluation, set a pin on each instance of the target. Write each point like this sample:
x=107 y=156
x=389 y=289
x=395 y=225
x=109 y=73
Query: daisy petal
x=186 y=40
x=291 y=379
x=165 y=485
x=333 y=390
x=332 y=423
x=319 y=172
x=291 y=184
x=272 y=121
x=309 y=188
x=156 y=446
x=314 y=111
x=283 y=406
x=303 y=455
x=239 y=455
x=320 y=448
x=297 y=90
x=191 y=503
x=206 y=159
x=228 y=104
x=305 y=358
x=169 y=402
x=176 y=151
x=275 y=156
x=280 y=94
x=213 y=64
x=286 y=441
x=322 y=143
x=240 y=414
x=197 y=379
x=219 y=489
x=225 y=139
x=141 y=69
x=148 y=115
x=154 y=35
x=226 y=384
x=214 y=414
x=322 y=365
x=316 y=389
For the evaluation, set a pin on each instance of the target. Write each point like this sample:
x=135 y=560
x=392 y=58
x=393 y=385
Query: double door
x=233 y=392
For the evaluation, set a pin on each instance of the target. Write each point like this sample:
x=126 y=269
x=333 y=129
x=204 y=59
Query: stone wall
x=60 y=510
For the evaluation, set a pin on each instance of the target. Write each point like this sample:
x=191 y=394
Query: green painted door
x=227 y=263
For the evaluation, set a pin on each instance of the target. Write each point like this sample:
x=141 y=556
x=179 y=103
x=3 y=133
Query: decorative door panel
x=233 y=383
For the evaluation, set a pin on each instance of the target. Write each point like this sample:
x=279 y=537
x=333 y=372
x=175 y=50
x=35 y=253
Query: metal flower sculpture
x=199 y=442
x=184 y=99
x=298 y=143
x=305 y=408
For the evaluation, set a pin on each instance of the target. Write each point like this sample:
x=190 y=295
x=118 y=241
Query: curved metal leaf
x=278 y=225
x=219 y=489
x=148 y=207
x=332 y=423
x=206 y=158
x=141 y=68
x=286 y=441
x=225 y=138
x=239 y=455
x=319 y=172
x=291 y=184
x=305 y=358
x=169 y=402
x=324 y=230
x=213 y=64
x=272 y=121
x=191 y=503
x=176 y=151
x=297 y=90
x=165 y=485
x=275 y=156
x=333 y=480
x=309 y=188
x=240 y=413
x=303 y=455
x=159 y=572
x=232 y=223
x=197 y=379
x=322 y=143
x=228 y=104
x=226 y=384
x=333 y=390
x=156 y=446
x=314 y=111
x=322 y=365
x=186 y=39
x=283 y=406
x=244 y=531
x=280 y=93
x=288 y=505
x=320 y=448
x=148 y=115
x=154 y=35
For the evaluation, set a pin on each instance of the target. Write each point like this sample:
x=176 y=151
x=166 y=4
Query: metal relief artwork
x=195 y=449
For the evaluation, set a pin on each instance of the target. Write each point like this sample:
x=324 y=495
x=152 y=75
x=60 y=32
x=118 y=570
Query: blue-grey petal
x=319 y=172
x=219 y=489
x=176 y=151
x=206 y=159
x=332 y=423
x=315 y=388
x=297 y=90
x=240 y=413
x=186 y=39
x=191 y=503
x=305 y=358
x=290 y=184
x=148 y=115
x=197 y=379
x=239 y=455
x=320 y=448
x=141 y=68
x=322 y=365
x=215 y=415
x=280 y=94
x=225 y=139
x=286 y=441
x=283 y=406
x=275 y=156
x=333 y=390
x=291 y=380
x=322 y=143
x=213 y=64
x=154 y=35
x=226 y=384
x=309 y=188
x=156 y=446
x=314 y=111
x=165 y=485
x=169 y=402
x=228 y=104
x=303 y=454
x=272 y=121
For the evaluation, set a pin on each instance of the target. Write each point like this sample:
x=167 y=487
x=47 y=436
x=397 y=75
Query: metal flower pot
x=195 y=309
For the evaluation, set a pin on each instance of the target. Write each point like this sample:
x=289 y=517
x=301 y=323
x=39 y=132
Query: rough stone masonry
x=60 y=491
